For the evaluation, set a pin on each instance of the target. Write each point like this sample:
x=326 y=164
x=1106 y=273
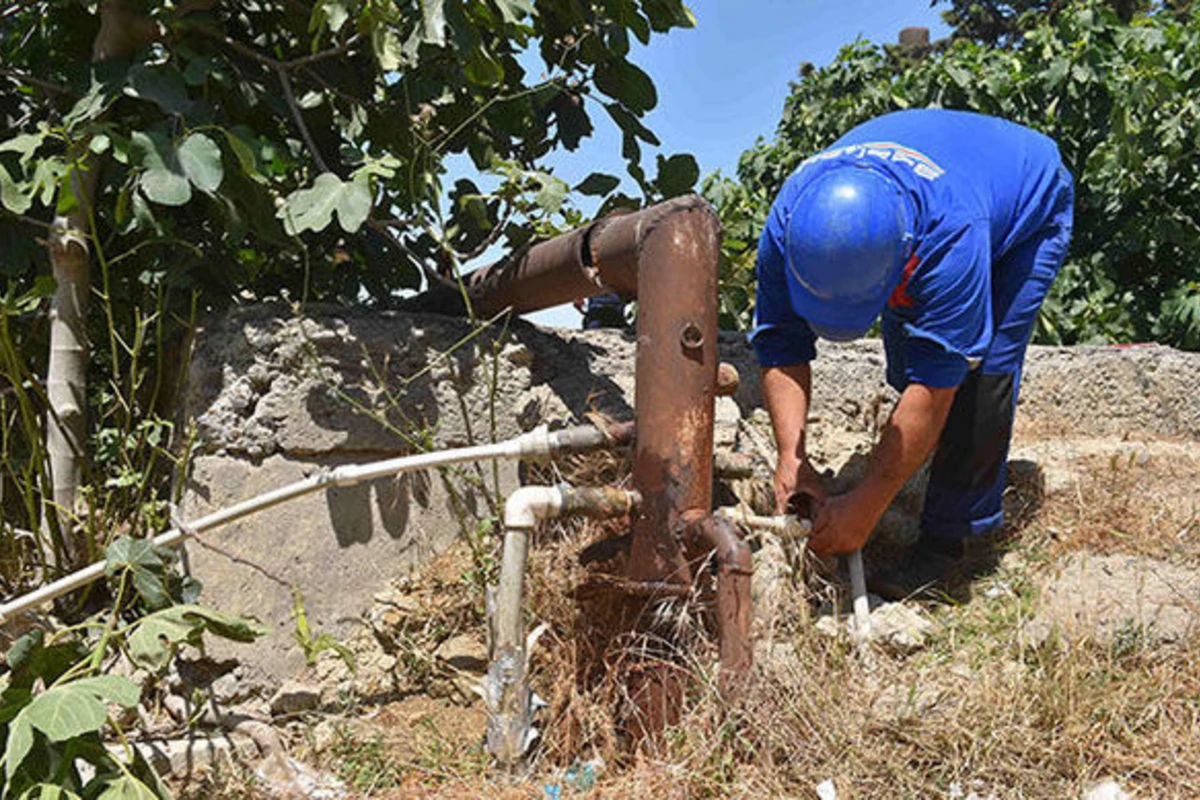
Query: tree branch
x=281 y=69
x=386 y=228
x=195 y=536
x=235 y=45
x=332 y=52
x=38 y=223
x=274 y=63
x=491 y=237
x=286 y=82
x=46 y=86
x=329 y=87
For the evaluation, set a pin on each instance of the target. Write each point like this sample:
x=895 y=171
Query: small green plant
x=363 y=765
x=314 y=645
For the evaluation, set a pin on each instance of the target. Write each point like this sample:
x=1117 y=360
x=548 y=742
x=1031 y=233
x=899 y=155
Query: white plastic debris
x=1108 y=790
x=826 y=790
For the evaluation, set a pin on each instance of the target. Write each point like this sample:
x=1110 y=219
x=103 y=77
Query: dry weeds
x=980 y=710
x=1140 y=502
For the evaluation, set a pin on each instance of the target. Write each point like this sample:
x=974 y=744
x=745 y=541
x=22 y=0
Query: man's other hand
x=794 y=475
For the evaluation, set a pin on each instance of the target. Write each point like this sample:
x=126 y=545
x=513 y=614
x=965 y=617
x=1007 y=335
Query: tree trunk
x=66 y=376
x=122 y=32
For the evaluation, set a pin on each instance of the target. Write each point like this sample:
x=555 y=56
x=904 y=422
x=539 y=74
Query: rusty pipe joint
x=734 y=605
x=587 y=438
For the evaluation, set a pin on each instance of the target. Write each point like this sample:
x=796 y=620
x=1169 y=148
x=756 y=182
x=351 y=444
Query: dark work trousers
x=966 y=482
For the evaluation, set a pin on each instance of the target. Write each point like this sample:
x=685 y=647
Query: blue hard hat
x=848 y=236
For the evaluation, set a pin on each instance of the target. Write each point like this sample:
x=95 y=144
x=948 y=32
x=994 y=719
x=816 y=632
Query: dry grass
x=976 y=710
x=979 y=710
x=1135 y=503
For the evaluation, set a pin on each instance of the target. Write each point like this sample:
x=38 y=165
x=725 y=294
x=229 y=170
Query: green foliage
x=1004 y=22
x=995 y=22
x=743 y=216
x=160 y=635
x=364 y=765
x=137 y=453
x=151 y=572
x=314 y=644
x=245 y=131
x=55 y=702
x=1120 y=100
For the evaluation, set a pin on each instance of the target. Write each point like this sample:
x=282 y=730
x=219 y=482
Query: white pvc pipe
x=539 y=442
x=509 y=703
x=528 y=505
x=858 y=591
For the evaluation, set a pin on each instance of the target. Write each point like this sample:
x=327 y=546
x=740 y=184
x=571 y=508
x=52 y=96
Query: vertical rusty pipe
x=666 y=256
x=678 y=247
x=734 y=605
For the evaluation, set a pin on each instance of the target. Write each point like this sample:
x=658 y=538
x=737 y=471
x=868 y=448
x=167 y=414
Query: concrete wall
x=275 y=397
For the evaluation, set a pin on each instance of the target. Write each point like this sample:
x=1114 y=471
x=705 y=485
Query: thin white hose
x=537 y=443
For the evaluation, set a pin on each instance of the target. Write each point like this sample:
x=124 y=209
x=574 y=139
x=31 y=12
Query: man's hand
x=786 y=391
x=841 y=527
x=844 y=522
x=794 y=475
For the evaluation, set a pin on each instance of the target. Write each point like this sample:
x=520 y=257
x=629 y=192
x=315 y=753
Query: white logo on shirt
x=921 y=164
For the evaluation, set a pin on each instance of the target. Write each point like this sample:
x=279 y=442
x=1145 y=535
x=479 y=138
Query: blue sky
x=722 y=84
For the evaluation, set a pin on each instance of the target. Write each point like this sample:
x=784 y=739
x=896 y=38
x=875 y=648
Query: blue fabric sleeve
x=950 y=332
x=780 y=338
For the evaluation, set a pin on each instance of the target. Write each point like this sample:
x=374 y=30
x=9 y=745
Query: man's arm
x=846 y=521
x=787 y=391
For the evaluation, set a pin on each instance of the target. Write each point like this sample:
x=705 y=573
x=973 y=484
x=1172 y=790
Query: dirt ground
x=1073 y=659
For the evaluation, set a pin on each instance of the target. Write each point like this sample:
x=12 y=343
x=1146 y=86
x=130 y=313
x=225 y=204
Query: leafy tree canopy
x=1001 y=23
x=1121 y=101
x=301 y=145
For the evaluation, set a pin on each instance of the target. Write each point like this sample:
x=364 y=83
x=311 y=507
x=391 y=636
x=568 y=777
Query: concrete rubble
x=294 y=697
x=899 y=628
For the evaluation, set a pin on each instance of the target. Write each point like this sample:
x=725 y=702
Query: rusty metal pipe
x=603 y=502
x=601 y=584
x=678 y=248
x=667 y=257
x=542 y=276
x=734 y=604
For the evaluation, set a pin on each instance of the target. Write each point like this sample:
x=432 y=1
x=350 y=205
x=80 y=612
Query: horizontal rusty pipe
x=586 y=438
x=542 y=276
x=603 y=584
x=734 y=605
x=604 y=502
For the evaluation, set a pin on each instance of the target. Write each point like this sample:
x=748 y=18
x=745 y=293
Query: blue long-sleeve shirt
x=978 y=186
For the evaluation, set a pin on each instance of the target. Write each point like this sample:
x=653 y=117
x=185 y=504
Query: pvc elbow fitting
x=529 y=504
